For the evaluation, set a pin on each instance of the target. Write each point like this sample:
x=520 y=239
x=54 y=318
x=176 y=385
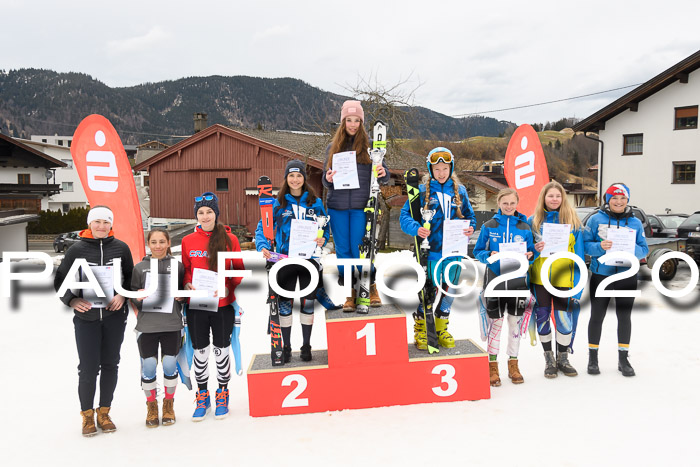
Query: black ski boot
x=624 y=364
x=550 y=371
x=563 y=364
x=306 y=352
x=287 y=353
x=593 y=362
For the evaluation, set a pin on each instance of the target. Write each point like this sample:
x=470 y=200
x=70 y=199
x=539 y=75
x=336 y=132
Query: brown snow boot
x=103 y=421
x=89 y=428
x=374 y=300
x=514 y=371
x=152 y=420
x=168 y=411
x=494 y=378
x=349 y=304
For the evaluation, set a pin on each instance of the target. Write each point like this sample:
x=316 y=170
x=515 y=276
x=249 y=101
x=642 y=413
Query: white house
x=54 y=140
x=651 y=141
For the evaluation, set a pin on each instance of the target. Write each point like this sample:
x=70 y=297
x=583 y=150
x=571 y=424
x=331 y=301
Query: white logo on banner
x=110 y=170
x=522 y=180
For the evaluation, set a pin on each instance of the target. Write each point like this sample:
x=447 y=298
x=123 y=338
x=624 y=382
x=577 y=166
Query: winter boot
x=306 y=353
x=152 y=415
x=221 y=404
x=563 y=364
x=287 y=353
x=374 y=300
x=593 y=362
x=550 y=370
x=624 y=364
x=420 y=336
x=203 y=405
x=168 y=411
x=103 y=421
x=514 y=371
x=89 y=428
x=349 y=304
x=444 y=338
x=494 y=377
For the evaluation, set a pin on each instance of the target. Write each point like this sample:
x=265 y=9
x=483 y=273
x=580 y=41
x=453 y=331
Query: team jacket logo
x=199 y=254
x=525 y=167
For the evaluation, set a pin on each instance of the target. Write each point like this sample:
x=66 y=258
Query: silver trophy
x=376 y=156
x=428 y=215
x=321 y=221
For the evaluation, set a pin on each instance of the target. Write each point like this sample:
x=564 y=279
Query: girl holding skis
x=99 y=330
x=200 y=251
x=158 y=325
x=553 y=207
x=506 y=226
x=296 y=200
x=615 y=214
x=442 y=193
x=346 y=206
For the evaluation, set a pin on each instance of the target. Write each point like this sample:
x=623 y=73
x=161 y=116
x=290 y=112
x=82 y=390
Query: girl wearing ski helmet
x=441 y=192
x=158 y=325
x=296 y=200
x=200 y=251
x=99 y=330
x=615 y=214
x=506 y=226
x=553 y=207
x=346 y=207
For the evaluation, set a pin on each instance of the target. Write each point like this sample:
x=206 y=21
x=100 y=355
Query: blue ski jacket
x=282 y=221
x=597 y=231
x=443 y=200
x=502 y=229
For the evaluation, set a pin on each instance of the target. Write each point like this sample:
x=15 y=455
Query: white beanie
x=102 y=213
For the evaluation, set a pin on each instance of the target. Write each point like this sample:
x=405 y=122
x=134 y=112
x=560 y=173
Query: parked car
x=666 y=225
x=690 y=229
x=65 y=240
x=584 y=213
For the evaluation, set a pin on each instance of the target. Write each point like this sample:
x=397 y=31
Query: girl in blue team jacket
x=506 y=226
x=296 y=200
x=614 y=214
x=442 y=192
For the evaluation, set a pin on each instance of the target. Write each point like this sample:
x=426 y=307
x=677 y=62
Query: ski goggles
x=438 y=156
x=199 y=199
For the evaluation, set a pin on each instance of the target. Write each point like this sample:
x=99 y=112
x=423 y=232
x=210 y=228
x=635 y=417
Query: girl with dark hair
x=200 y=251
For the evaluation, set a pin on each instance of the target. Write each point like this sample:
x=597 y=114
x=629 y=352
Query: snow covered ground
x=602 y=420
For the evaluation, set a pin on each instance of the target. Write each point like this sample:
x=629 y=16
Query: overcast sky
x=467 y=57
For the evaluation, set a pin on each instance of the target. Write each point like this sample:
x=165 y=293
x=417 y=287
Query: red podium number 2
x=292 y=399
x=368 y=333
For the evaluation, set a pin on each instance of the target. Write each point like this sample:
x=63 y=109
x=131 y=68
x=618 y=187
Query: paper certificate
x=204 y=279
x=555 y=237
x=454 y=242
x=160 y=301
x=302 y=238
x=508 y=264
x=623 y=239
x=345 y=166
x=105 y=277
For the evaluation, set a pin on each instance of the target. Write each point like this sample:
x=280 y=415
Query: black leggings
x=220 y=322
x=623 y=308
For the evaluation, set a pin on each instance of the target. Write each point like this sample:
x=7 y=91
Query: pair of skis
x=368 y=247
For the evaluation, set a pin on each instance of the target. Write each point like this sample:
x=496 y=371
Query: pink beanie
x=352 y=108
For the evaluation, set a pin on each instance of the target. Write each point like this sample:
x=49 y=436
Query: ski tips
x=433 y=350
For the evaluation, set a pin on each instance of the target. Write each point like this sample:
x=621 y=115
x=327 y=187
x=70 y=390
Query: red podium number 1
x=368 y=333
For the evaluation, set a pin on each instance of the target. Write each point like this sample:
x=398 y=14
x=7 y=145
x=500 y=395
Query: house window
x=686 y=118
x=43 y=140
x=684 y=172
x=69 y=142
x=23 y=179
x=60 y=142
x=67 y=186
x=68 y=162
x=66 y=207
x=222 y=184
x=632 y=145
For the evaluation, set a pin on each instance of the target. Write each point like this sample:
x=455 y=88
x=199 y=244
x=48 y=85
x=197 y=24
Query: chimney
x=200 y=121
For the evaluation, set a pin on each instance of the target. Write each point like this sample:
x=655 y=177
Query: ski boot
x=420 y=335
x=152 y=420
x=444 y=338
x=221 y=404
x=514 y=371
x=374 y=300
x=593 y=362
x=494 y=377
x=306 y=352
x=103 y=421
x=203 y=405
x=563 y=364
x=624 y=364
x=168 y=411
x=550 y=370
x=89 y=428
x=287 y=353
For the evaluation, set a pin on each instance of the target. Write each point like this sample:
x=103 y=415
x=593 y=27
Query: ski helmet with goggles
x=440 y=154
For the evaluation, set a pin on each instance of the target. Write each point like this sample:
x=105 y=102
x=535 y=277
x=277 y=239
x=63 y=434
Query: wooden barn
x=227 y=162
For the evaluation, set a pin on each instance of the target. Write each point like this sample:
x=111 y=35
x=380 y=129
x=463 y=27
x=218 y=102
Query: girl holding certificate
x=553 y=207
x=508 y=230
x=615 y=214
x=296 y=202
x=441 y=193
x=158 y=324
x=99 y=322
x=200 y=257
x=346 y=205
